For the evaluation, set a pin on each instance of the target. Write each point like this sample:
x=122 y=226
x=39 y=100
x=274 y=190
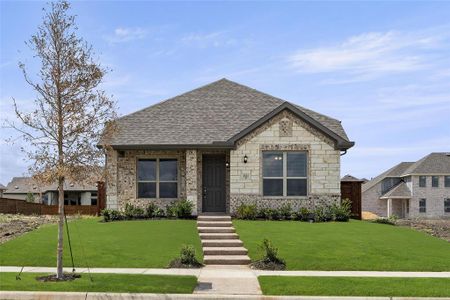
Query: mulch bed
x=176 y=263
x=264 y=265
x=53 y=278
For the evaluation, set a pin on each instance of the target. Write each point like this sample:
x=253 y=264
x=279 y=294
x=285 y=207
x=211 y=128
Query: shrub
x=133 y=212
x=159 y=213
x=275 y=214
x=187 y=258
x=270 y=259
x=171 y=211
x=150 y=210
x=183 y=208
x=392 y=220
x=246 y=211
x=323 y=214
x=264 y=213
x=304 y=214
x=286 y=211
x=342 y=212
x=111 y=215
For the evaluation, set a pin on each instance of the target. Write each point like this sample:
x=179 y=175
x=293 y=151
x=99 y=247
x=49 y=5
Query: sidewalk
x=127 y=296
x=233 y=270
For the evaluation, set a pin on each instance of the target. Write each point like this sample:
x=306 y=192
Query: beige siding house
x=222 y=145
x=411 y=189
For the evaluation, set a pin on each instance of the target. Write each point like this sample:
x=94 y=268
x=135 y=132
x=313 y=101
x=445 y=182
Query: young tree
x=71 y=112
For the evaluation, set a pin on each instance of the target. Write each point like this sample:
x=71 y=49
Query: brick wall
x=435 y=198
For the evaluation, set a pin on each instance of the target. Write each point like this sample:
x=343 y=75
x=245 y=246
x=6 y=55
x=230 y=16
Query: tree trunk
x=59 y=258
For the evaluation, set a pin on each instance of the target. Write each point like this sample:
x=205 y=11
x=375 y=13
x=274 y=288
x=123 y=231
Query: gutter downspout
x=343 y=153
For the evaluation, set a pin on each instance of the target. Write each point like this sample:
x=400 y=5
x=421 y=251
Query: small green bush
x=323 y=214
x=304 y=214
x=342 y=212
x=247 y=211
x=171 y=210
x=270 y=259
x=187 y=258
x=285 y=211
x=111 y=215
x=183 y=208
x=150 y=210
x=392 y=220
x=133 y=212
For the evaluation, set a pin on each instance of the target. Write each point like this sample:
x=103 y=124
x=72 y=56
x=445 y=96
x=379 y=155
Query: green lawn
x=355 y=286
x=114 y=283
x=356 y=245
x=132 y=244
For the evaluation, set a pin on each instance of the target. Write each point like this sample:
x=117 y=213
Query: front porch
x=398 y=207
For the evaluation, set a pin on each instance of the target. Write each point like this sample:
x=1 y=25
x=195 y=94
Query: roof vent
x=16 y=187
x=71 y=184
x=448 y=153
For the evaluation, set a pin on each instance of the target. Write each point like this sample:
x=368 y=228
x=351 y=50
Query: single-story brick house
x=224 y=144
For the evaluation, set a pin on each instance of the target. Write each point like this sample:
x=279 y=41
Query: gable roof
x=214 y=115
x=25 y=185
x=433 y=163
x=395 y=171
x=401 y=190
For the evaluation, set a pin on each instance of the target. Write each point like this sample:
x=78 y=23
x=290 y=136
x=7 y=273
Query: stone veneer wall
x=284 y=132
x=122 y=185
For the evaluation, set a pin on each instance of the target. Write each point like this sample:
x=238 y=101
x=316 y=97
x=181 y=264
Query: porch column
x=191 y=178
x=389 y=207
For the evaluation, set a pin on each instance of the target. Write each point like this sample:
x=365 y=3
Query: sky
x=382 y=68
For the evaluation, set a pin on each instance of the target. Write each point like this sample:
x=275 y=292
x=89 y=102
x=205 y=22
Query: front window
x=157 y=178
x=423 y=205
x=435 y=181
x=422 y=181
x=284 y=173
x=93 y=198
x=447 y=181
x=447 y=205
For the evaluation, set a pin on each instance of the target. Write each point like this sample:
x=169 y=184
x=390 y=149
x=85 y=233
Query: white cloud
x=126 y=34
x=371 y=54
x=205 y=40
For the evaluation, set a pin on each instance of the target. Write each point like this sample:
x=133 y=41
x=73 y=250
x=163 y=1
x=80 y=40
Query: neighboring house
x=25 y=188
x=222 y=145
x=411 y=189
x=2 y=190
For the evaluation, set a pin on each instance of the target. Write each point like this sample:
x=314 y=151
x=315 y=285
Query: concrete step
x=224 y=251
x=218 y=236
x=226 y=260
x=213 y=218
x=215 y=229
x=214 y=224
x=222 y=243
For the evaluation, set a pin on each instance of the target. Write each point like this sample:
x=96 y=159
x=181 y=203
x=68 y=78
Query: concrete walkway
x=233 y=270
x=127 y=296
x=231 y=280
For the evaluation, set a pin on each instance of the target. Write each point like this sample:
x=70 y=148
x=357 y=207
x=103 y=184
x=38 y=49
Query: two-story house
x=411 y=189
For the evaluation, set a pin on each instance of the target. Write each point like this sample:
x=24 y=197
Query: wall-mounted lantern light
x=245 y=159
x=227 y=164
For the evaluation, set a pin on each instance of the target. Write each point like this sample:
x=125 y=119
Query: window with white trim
x=435 y=181
x=447 y=205
x=157 y=178
x=285 y=173
x=447 y=181
x=423 y=205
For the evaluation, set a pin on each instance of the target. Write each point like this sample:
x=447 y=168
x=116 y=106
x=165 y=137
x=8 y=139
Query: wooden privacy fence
x=14 y=206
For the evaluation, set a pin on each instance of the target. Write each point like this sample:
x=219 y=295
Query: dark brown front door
x=213 y=182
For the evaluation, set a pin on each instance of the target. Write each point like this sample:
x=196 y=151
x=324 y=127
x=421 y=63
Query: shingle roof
x=210 y=114
x=349 y=177
x=401 y=190
x=24 y=185
x=395 y=171
x=433 y=163
x=2 y=187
